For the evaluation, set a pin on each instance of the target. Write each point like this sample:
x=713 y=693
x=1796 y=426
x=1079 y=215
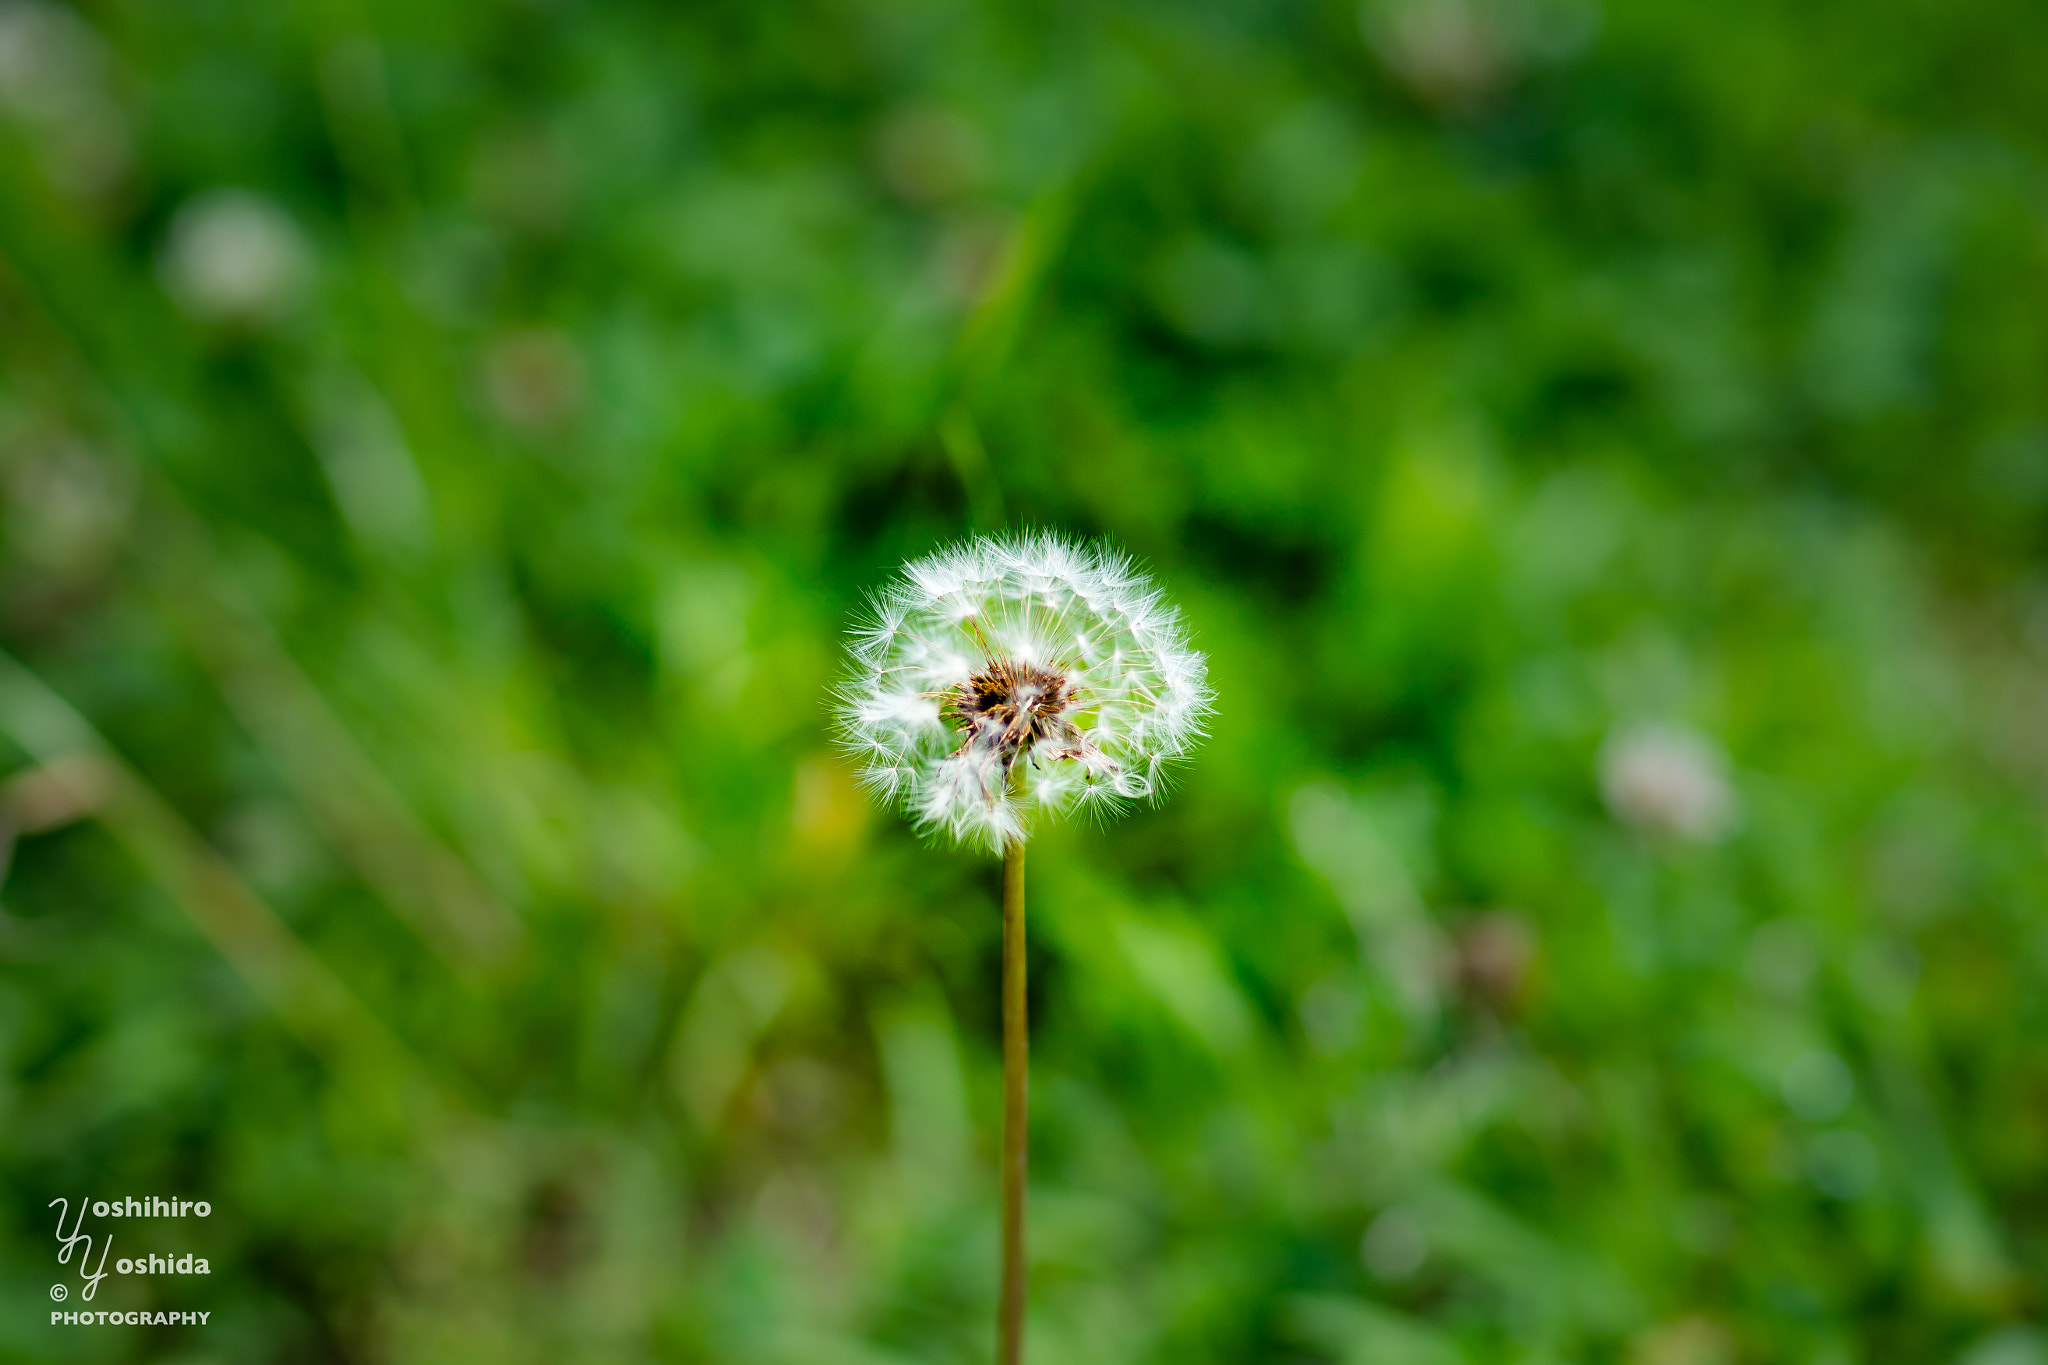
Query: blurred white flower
x=54 y=81
x=49 y=57
x=1457 y=53
x=1449 y=51
x=235 y=257
x=1667 y=781
x=67 y=504
x=1003 y=678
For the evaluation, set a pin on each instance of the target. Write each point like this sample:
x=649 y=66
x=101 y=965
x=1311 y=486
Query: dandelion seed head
x=1668 y=781
x=1005 y=679
x=235 y=257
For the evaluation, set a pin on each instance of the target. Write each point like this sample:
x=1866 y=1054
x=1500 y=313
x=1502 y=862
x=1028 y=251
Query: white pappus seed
x=1011 y=677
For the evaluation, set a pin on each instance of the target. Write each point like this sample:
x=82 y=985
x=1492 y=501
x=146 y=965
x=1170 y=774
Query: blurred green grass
x=1604 y=452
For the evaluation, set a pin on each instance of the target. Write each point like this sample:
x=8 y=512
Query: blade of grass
x=297 y=987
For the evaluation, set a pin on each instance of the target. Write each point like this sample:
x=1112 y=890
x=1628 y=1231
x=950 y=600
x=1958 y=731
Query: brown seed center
x=1008 y=707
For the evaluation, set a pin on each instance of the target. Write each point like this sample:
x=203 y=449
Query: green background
x=443 y=445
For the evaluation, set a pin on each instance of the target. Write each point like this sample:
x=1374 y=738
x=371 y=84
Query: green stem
x=1016 y=1102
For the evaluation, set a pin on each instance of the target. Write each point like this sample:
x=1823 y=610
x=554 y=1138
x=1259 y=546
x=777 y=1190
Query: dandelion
x=1667 y=781
x=1002 y=682
x=54 y=83
x=235 y=257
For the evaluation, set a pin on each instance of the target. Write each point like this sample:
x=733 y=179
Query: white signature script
x=71 y=1243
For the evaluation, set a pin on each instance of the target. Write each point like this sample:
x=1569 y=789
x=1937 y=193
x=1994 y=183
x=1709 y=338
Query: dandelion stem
x=1016 y=1101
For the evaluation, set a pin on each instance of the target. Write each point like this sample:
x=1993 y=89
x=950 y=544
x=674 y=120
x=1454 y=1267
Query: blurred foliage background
x=1603 y=450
